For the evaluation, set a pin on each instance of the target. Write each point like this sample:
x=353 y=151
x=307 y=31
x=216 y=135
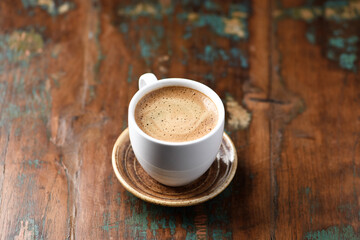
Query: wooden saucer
x=134 y=178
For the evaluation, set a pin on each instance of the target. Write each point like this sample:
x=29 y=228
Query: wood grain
x=286 y=70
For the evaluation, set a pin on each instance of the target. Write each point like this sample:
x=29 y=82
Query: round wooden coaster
x=134 y=178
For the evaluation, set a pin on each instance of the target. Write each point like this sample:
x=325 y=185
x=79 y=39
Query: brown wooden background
x=288 y=72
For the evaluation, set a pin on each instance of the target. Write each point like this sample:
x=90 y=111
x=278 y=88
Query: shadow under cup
x=175 y=163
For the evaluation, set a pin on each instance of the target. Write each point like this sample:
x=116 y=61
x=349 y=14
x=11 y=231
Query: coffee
x=176 y=114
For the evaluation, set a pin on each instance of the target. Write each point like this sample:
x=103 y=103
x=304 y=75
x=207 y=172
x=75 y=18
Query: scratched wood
x=287 y=71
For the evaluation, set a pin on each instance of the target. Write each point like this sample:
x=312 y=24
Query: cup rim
x=182 y=82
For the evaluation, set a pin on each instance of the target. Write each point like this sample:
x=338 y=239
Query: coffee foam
x=176 y=114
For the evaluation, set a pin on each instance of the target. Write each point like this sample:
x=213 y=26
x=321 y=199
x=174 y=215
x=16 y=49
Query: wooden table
x=288 y=72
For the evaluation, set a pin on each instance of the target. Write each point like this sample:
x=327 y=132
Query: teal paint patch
x=159 y=32
x=353 y=40
x=124 y=28
x=234 y=56
x=342 y=44
x=35 y=163
x=238 y=54
x=145 y=50
x=187 y=35
x=347 y=209
x=310 y=36
x=52 y=7
x=211 y=5
x=231 y=27
x=220 y=235
x=219 y=220
x=118 y=199
x=333 y=233
x=100 y=56
x=20 y=180
x=209 y=77
x=31 y=95
x=233 y=24
x=172 y=224
x=11 y=112
x=21 y=46
x=3 y=89
x=154 y=227
x=189 y=225
x=330 y=54
x=28 y=229
x=337 y=42
x=152 y=10
x=107 y=224
x=209 y=55
x=149 y=216
x=137 y=223
x=347 y=61
x=110 y=177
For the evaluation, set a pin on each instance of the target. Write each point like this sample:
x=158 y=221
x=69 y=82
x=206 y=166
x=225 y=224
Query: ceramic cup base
x=134 y=178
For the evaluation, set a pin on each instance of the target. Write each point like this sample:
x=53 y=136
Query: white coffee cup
x=174 y=163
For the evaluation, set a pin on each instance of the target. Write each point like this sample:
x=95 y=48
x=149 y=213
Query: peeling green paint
x=237 y=54
x=347 y=60
x=347 y=209
x=172 y=224
x=209 y=77
x=118 y=199
x=21 y=46
x=234 y=56
x=310 y=35
x=145 y=49
x=345 y=232
x=189 y=225
x=187 y=35
x=148 y=216
x=52 y=7
x=129 y=79
x=137 y=222
x=35 y=163
x=31 y=96
x=107 y=224
x=210 y=5
x=28 y=229
x=337 y=42
x=233 y=25
x=20 y=179
x=218 y=234
x=219 y=220
x=100 y=55
x=124 y=28
x=342 y=43
x=155 y=10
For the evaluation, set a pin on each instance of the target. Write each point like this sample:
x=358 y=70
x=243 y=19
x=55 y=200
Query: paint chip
x=65 y=7
x=233 y=26
x=22 y=45
x=306 y=14
x=139 y=9
x=239 y=117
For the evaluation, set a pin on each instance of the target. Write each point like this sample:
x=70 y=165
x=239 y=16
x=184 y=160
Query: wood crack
x=268 y=100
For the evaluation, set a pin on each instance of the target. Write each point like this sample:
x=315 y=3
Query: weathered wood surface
x=68 y=70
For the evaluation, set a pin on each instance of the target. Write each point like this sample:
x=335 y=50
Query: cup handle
x=147 y=79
